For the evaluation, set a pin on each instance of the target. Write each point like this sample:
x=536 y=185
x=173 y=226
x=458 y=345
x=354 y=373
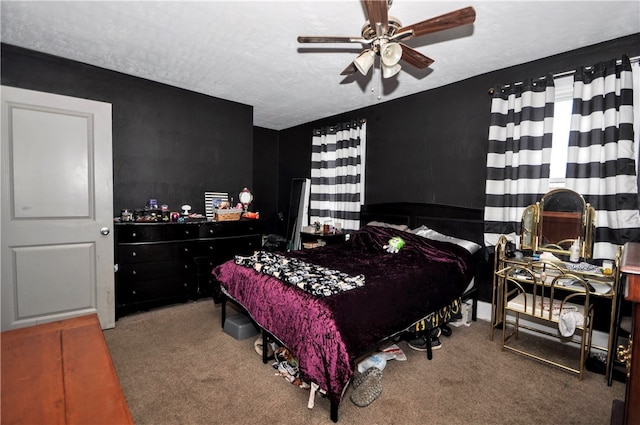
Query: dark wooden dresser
x=628 y=412
x=166 y=263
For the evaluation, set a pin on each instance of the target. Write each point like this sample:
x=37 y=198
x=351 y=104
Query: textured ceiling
x=246 y=51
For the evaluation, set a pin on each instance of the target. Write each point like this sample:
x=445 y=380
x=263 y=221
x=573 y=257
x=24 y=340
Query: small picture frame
x=214 y=201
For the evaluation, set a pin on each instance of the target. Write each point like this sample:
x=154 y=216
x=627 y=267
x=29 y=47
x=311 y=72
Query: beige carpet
x=177 y=366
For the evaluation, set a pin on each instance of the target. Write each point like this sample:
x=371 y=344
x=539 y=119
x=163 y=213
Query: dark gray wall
x=265 y=172
x=432 y=146
x=173 y=144
x=169 y=144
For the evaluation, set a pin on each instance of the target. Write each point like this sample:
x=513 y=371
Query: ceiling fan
x=383 y=34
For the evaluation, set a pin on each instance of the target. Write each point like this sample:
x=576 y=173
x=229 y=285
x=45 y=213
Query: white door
x=57 y=244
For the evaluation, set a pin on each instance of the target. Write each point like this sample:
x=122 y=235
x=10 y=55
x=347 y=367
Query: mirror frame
x=245 y=197
x=532 y=227
x=529 y=228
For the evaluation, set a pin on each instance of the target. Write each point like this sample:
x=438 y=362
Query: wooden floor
x=60 y=373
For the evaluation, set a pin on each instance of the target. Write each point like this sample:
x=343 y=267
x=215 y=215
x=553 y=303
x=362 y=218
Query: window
x=562 y=123
x=561 y=126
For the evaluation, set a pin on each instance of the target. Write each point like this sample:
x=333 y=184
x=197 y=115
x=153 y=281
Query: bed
x=380 y=294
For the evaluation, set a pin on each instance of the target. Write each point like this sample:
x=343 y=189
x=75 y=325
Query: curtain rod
x=562 y=74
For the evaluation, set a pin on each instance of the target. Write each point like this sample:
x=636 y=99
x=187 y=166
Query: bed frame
x=460 y=222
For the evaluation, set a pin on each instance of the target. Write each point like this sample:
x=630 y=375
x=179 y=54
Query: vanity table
x=601 y=286
x=549 y=228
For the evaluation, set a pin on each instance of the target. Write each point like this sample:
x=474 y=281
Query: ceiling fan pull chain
x=380 y=84
x=373 y=79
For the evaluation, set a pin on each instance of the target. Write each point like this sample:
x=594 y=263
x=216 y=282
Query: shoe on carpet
x=420 y=344
x=359 y=378
x=369 y=387
x=446 y=330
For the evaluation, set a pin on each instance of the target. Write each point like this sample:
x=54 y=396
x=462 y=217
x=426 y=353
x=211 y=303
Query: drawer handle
x=210 y=247
x=210 y=230
x=624 y=355
x=133 y=292
x=186 y=250
x=133 y=234
x=133 y=272
x=133 y=254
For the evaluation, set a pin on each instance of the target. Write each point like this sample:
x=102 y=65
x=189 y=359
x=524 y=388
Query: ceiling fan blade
x=414 y=57
x=448 y=20
x=349 y=70
x=377 y=13
x=326 y=39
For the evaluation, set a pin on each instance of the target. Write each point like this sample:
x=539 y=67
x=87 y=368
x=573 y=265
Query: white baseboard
x=600 y=339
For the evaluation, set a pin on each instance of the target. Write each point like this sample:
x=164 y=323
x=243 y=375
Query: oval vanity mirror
x=564 y=218
x=553 y=224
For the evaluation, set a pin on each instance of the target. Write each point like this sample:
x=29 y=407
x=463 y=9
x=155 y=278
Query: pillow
x=428 y=233
x=402 y=227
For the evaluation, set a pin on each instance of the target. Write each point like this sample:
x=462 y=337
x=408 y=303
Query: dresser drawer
x=229 y=228
x=151 y=291
x=156 y=270
x=145 y=252
x=226 y=248
x=155 y=232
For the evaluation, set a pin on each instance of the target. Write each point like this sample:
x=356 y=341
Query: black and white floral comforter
x=312 y=278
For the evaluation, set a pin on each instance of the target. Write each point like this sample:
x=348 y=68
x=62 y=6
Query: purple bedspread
x=328 y=334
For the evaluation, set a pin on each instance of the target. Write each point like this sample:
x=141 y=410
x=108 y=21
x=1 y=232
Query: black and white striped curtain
x=518 y=158
x=338 y=174
x=601 y=158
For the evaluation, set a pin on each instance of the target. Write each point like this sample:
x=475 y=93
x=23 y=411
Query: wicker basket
x=230 y=214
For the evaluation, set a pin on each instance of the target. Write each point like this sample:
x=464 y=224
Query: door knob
x=104 y=231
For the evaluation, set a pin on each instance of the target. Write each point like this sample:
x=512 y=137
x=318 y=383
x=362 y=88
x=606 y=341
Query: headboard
x=461 y=222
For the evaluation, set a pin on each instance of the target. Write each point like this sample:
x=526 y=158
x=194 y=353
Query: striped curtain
x=519 y=154
x=337 y=174
x=601 y=157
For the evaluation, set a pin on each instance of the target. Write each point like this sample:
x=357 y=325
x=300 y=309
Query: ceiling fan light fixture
x=391 y=54
x=385 y=34
x=390 y=71
x=364 y=61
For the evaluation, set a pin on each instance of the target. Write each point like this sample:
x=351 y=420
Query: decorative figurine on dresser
x=551 y=283
x=166 y=262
